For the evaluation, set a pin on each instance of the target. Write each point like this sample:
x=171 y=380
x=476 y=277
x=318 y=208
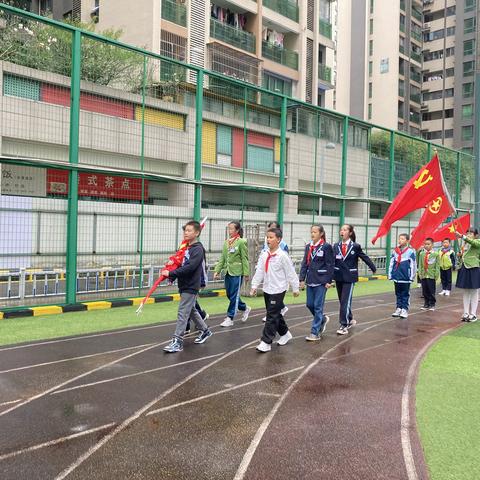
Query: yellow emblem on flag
x=423 y=179
x=436 y=205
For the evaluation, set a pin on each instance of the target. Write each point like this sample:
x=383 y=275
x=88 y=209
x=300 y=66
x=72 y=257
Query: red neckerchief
x=425 y=260
x=444 y=251
x=312 y=248
x=270 y=255
x=399 y=253
x=232 y=239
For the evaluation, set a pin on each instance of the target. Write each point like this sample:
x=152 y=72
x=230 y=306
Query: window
x=371 y=6
x=467 y=90
x=437 y=34
x=438 y=54
x=370 y=47
x=469 y=25
x=467 y=132
x=369 y=111
x=370 y=68
x=276 y=84
x=371 y=26
x=468 y=68
x=467 y=111
x=469 y=47
x=370 y=90
x=470 y=5
x=438 y=94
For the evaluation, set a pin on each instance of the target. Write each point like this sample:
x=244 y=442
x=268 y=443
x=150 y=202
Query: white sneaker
x=352 y=323
x=397 y=312
x=264 y=319
x=442 y=292
x=246 y=313
x=284 y=310
x=447 y=293
x=228 y=322
x=403 y=313
x=327 y=319
x=263 y=347
x=284 y=339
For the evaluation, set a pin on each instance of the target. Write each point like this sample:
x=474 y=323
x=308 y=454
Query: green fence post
x=72 y=210
x=343 y=186
x=197 y=207
x=283 y=156
x=391 y=174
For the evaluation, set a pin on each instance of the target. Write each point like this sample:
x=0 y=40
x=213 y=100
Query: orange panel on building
x=238 y=148
x=260 y=140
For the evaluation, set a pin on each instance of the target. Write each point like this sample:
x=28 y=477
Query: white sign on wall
x=25 y=181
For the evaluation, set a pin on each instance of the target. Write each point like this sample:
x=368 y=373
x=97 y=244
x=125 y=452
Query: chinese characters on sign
x=97 y=185
x=25 y=181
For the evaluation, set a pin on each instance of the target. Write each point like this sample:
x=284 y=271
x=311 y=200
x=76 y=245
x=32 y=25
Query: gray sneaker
x=342 y=331
x=176 y=345
x=313 y=338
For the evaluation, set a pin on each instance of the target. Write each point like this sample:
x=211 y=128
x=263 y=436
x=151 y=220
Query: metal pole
x=283 y=156
x=197 y=207
x=343 y=187
x=391 y=173
x=72 y=210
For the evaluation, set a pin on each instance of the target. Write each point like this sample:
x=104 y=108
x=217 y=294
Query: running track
x=114 y=406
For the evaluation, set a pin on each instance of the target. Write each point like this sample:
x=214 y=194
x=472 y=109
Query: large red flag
x=461 y=225
x=425 y=186
x=435 y=213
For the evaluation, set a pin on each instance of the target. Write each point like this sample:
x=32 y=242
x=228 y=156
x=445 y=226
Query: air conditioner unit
x=426 y=26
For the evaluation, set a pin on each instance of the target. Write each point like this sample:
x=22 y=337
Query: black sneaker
x=176 y=345
x=203 y=336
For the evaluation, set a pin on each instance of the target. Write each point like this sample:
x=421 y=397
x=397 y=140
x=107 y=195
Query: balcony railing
x=416 y=14
x=233 y=36
x=415 y=76
x=402 y=5
x=174 y=12
x=416 y=35
x=325 y=28
x=415 y=97
x=287 y=8
x=415 y=117
x=416 y=56
x=401 y=91
x=324 y=73
x=281 y=55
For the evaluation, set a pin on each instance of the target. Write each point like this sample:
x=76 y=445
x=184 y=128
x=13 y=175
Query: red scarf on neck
x=399 y=253
x=425 y=259
x=270 y=255
x=313 y=247
x=232 y=239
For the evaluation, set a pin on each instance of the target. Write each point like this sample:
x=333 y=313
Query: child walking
x=429 y=272
x=447 y=265
x=317 y=273
x=469 y=274
x=190 y=277
x=402 y=271
x=234 y=262
x=275 y=270
x=347 y=252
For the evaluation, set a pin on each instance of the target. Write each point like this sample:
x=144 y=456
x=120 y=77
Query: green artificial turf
x=26 y=329
x=447 y=398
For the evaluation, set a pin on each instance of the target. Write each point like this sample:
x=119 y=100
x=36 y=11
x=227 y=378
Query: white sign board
x=24 y=181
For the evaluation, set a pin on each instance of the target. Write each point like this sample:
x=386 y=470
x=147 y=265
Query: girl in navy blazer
x=347 y=253
x=317 y=273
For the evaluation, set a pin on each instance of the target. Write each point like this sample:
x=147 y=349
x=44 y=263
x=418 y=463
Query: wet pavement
x=114 y=406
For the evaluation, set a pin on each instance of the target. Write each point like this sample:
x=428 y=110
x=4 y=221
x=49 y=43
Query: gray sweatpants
x=186 y=311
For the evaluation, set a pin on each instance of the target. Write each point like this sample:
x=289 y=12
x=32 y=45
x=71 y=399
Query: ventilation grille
x=310 y=14
x=309 y=82
x=197 y=35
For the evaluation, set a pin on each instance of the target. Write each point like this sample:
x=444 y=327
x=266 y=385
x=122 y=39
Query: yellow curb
x=362 y=279
x=138 y=300
x=175 y=296
x=1 y=315
x=51 y=310
x=221 y=293
x=98 y=305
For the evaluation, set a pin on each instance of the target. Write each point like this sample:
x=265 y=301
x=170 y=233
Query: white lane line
x=220 y=392
x=143 y=372
x=89 y=372
x=55 y=442
x=247 y=458
x=71 y=359
x=148 y=327
x=140 y=412
x=406 y=425
x=267 y=394
x=10 y=402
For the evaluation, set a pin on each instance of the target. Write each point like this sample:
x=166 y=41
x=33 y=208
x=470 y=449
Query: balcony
x=402 y=5
x=280 y=55
x=416 y=56
x=416 y=76
x=415 y=117
x=416 y=14
x=325 y=28
x=324 y=73
x=287 y=8
x=416 y=35
x=416 y=97
x=233 y=36
x=174 y=12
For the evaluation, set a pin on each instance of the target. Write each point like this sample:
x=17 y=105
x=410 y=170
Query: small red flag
x=461 y=225
x=426 y=185
x=435 y=213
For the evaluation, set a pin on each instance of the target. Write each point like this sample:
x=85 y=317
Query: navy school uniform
x=346 y=275
x=316 y=271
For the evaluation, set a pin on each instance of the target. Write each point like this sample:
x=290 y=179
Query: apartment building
x=449 y=72
x=379 y=55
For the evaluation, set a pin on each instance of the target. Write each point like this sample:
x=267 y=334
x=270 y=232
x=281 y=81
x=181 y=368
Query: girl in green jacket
x=469 y=274
x=234 y=262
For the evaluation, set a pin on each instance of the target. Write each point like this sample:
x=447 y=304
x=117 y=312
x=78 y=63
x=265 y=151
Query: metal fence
x=107 y=149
